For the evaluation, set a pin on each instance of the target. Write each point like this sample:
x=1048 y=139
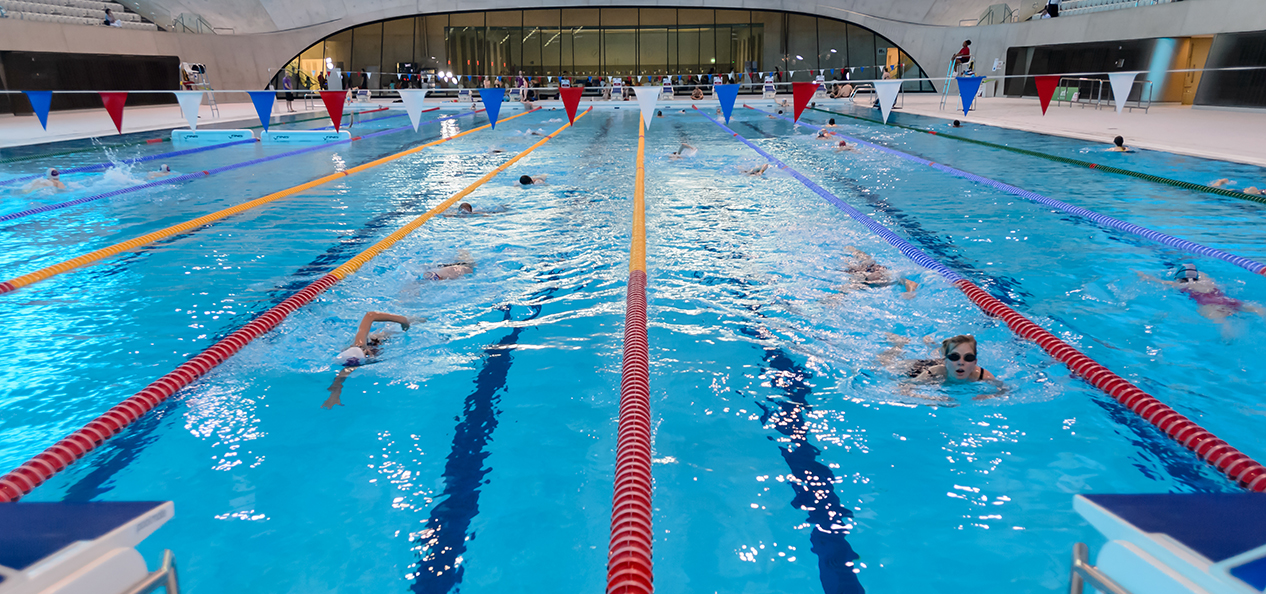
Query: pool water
x=478 y=454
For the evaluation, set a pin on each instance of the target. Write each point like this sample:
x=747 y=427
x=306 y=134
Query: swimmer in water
x=830 y=123
x=364 y=349
x=463 y=265
x=466 y=210
x=697 y=94
x=1211 y=302
x=685 y=151
x=843 y=146
x=824 y=134
x=163 y=170
x=659 y=114
x=755 y=170
x=530 y=180
x=719 y=111
x=1118 y=146
x=1221 y=182
x=51 y=179
x=956 y=124
x=865 y=273
x=957 y=363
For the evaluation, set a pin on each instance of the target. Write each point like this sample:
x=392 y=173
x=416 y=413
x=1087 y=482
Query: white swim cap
x=164 y=168
x=52 y=172
x=351 y=357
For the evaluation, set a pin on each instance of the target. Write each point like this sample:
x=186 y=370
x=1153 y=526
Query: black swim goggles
x=969 y=357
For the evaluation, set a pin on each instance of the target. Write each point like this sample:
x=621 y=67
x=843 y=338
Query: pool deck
x=1222 y=134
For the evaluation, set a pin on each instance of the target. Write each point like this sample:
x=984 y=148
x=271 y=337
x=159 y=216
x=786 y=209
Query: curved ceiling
x=266 y=16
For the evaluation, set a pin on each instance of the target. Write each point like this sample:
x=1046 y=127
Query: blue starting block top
x=1201 y=542
x=41 y=543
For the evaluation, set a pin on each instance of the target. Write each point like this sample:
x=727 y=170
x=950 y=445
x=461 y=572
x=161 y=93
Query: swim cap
x=351 y=357
x=52 y=172
x=525 y=180
x=1187 y=272
x=164 y=168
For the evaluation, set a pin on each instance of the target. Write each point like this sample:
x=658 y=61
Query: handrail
x=1083 y=571
x=163 y=577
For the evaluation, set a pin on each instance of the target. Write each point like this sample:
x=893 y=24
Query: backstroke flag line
x=1046 y=86
x=1122 y=82
x=967 y=88
x=189 y=101
x=413 y=100
x=646 y=99
x=571 y=99
x=40 y=100
x=263 y=101
x=727 y=94
x=492 y=103
x=887 y=91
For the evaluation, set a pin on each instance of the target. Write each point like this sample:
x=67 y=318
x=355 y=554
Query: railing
x=1084 y=573
x=1091 y=91
x=191 y=23
x=163 y=577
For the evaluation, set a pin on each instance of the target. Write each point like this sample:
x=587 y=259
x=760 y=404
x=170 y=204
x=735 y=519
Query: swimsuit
x=1214 y=297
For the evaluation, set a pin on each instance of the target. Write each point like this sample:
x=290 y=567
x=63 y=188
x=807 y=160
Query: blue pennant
x=492 y=103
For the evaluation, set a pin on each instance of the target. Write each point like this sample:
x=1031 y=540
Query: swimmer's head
x=351 y=357
x=957 y=124
x=1118 y=141
x=52 y=173
x=164 y=168
x=525 y=180
x=831 y=121
x=842 y=143
x=780 y=112
x=659 y=113
x=1187 y=273
x=465 y=207
x=960 y=357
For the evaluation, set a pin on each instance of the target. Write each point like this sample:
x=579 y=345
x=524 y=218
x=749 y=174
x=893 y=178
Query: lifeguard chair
x=770 y=91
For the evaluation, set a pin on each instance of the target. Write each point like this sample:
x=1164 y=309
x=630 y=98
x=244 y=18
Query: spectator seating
x=73 y=12
x=1075 y=7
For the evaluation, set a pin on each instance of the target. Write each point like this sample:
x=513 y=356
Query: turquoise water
x=478 y=453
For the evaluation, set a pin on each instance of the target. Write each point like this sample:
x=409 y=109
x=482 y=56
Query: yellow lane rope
x=637 y=252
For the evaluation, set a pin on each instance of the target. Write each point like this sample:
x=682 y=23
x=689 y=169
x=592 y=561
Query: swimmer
x=865 y=273
x=1119 y=146
x=529 y=180
x=531 y=132
x=1254 y=190
x=824 y=134
x=844 y=146
x=697 y=94
x=719 y=111
x=1221 y=182
x=463 y=266
x=956 y=124
x=659 y=114
x=830 y=123
x=685 y=151
x=466 y=210
x=1211 y=302
x=755 y=170
x=163 y=170
x=51 y=179
x=363 y=351
x=496 y=151
x=958 y=362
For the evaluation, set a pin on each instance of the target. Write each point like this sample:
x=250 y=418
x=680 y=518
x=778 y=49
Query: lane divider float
x=629 y=569
x=14 y=284
x=1236 y=465
x=200 y=174
x=75 y=446
x=1069 y=161
x=1107 y=221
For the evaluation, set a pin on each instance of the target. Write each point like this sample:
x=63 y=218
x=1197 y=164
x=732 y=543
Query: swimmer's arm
x=910 y=286
x=336 y=388
x=995 y=382
x=1148 y=277
x=362 y=333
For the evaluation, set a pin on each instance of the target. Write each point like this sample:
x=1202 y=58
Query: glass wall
x=594 y=42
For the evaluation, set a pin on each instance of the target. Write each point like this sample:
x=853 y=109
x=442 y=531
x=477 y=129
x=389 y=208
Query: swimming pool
x=479 y=452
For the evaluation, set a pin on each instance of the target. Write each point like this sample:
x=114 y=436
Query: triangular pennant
x=1046 y=86
x=413 y=100
x=263 y=101
x=189 y=101
x=571 y=99
x=726 y=94
x=967 y=87
x=40 y=101
x=646 y=98
x=639 y=78
x=113 y=103
x=801 y=93
x=492 y=103
x=1121 y=84
x=333 y=101
x=887 y=91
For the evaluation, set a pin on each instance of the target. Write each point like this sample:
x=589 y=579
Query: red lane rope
x=629 y=555
x=39 y=469
x=1207 y=446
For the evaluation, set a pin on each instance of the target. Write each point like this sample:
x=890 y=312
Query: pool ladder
x=164 y=577
x=1084 y=573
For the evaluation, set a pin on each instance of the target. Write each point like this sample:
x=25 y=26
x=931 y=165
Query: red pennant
x=801 y=93
x=571 y=100
x=334 y=105
x=1046 y=89
x=114 y=106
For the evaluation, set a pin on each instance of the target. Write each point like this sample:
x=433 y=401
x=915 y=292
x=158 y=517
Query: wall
x=248 y=61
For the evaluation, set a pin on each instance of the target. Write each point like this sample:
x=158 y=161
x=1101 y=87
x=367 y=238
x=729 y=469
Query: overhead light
x=799 y=57
x=832 y=51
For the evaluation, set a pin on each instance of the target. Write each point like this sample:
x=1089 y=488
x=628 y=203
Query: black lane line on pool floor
x=121 y=451
x=1181 y=464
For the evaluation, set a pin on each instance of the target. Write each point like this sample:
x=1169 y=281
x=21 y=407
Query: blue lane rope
x=101 y=166
x=189 y=176
x=893 y=239
x=1107 y=221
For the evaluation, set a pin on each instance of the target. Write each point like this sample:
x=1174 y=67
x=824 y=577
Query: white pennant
x=189 y=103
x=646 y=99
x=549 y=78
x=1122 y=82
x=887 y=91
x=413 y=100
x=639 y=78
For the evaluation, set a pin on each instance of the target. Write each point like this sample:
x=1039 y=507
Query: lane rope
x=629 y=567
x=1107 y=221
x=207 y=173
x=1234 y=464
x=65 y=452
x=49 y=271
x=132 y=161
x=1069 y=161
